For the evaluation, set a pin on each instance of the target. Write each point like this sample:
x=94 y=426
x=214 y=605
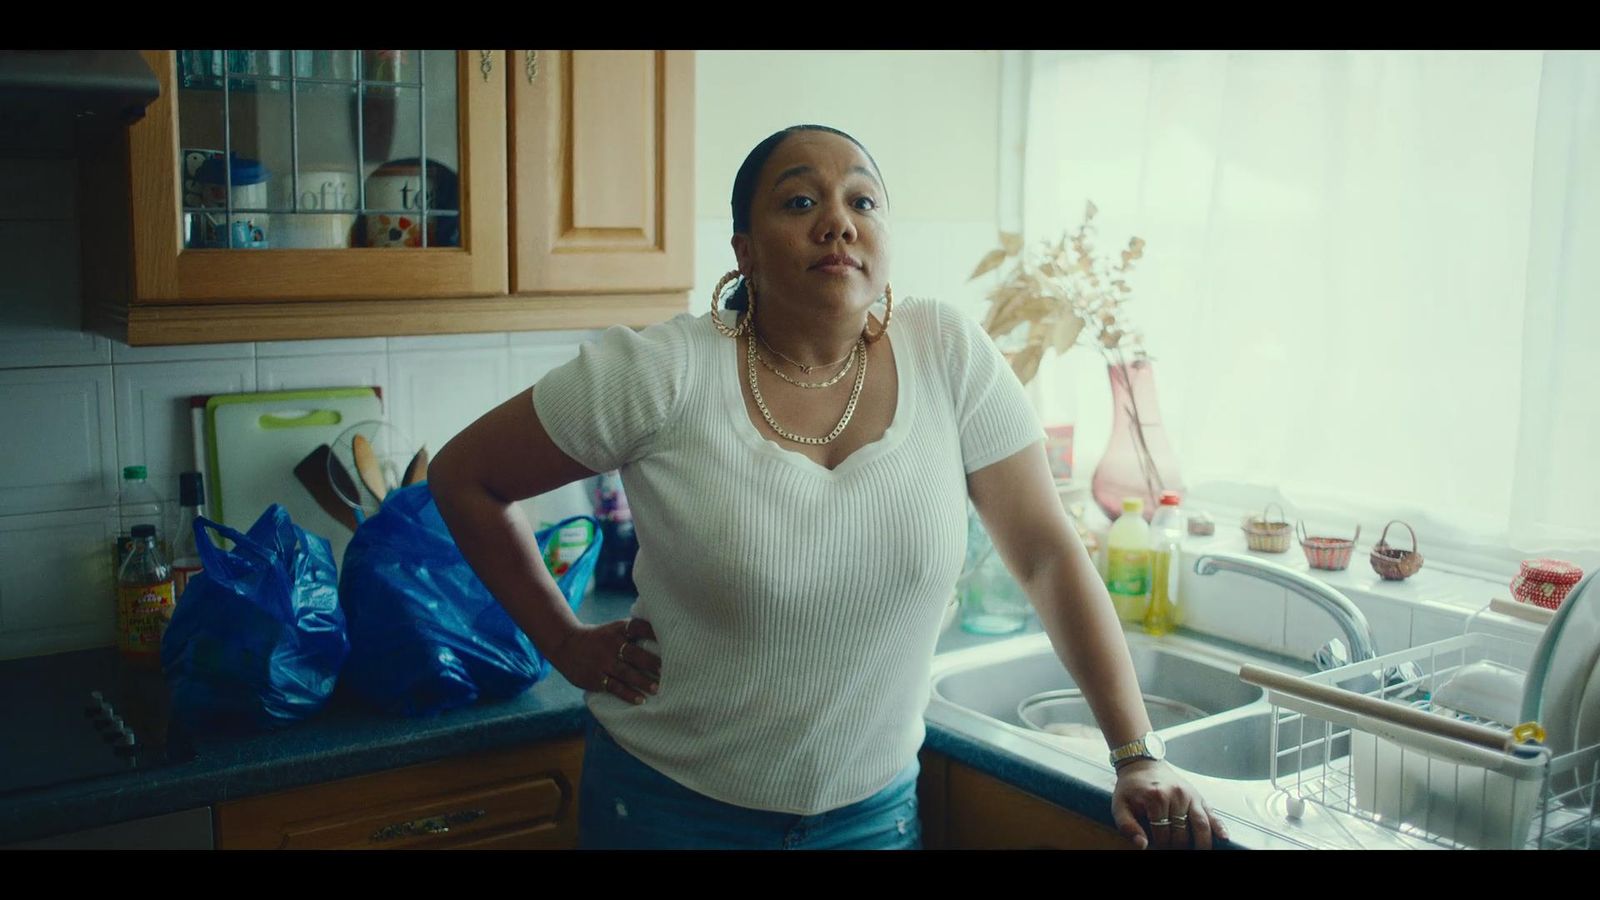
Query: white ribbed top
x=796 y=608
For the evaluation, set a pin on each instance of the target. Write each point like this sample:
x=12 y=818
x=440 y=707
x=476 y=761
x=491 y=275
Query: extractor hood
x=65 y=99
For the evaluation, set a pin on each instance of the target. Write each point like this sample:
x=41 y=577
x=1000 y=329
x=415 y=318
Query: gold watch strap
x=1134 y=749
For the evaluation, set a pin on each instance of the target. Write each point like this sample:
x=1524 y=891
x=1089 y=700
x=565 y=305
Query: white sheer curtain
x=1371 y=284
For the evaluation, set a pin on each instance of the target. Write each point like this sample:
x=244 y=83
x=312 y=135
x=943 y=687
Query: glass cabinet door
x=328 y=149
x=307 y=174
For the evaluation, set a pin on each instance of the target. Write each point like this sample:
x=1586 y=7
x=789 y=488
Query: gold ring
x=604 y=680
x=1154 y=822
x=619 y=651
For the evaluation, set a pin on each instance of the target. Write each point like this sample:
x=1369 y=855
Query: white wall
x=928 y=118
x=78 y=407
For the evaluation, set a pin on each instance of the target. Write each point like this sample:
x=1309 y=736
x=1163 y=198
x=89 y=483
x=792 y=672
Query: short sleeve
x=605 y=408
x=992 y=411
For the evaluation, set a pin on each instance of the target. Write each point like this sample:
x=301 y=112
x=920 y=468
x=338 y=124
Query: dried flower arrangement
x=1065 y=293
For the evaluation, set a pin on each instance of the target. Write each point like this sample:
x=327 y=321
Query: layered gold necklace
x=858 y=353
x=849 y=362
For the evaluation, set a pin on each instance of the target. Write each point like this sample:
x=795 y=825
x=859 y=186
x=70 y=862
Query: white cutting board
x=256 y=440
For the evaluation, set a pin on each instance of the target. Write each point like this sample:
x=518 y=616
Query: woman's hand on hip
x=606 y=658
x=1151 y=793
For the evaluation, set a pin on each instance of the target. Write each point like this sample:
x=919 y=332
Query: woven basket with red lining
x=1329 y=553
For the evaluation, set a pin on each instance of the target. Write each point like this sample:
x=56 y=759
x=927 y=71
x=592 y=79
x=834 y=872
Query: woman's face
x=819 y=232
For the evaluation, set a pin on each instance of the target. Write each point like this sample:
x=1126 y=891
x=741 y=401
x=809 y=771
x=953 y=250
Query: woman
x=799 y=483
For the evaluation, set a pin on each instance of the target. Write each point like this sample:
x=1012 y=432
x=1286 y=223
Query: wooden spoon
x=367 y=467
x=418 y=470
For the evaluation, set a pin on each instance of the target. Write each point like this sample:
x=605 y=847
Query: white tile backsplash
x=1429 y=625
x=447 y=342
x=1306 y=627
x=339 y=369
x=56 y=582
x=154 y=427
x=59 y=443
x=1247 y=610
x=528 y=364
x=321 y=348
x=434 y=394
x=1390 y=621
x=122 y=353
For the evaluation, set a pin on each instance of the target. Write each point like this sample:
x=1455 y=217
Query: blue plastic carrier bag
x=257 y=640
x=425 y=633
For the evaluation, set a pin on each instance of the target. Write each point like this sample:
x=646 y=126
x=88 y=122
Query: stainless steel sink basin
x=1223 y=746
x=1239 y=748
x=995 y=689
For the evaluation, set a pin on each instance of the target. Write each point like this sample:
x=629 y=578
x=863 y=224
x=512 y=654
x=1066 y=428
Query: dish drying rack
x=1367 y=740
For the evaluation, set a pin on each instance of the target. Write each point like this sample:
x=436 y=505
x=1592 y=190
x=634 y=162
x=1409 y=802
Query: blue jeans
x=624 y=804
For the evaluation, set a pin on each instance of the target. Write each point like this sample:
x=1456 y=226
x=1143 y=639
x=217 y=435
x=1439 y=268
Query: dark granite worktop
x=346 y=739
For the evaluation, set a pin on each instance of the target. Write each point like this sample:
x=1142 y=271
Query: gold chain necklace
x=849 y=363
x=849 y=409
x=801 y=366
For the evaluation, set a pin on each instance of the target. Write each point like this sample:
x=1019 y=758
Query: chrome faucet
x=1349 y=618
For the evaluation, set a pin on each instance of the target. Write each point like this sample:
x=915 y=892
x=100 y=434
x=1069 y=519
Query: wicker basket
x=1329 y=553
x=1269 y=535
x=1393 y=564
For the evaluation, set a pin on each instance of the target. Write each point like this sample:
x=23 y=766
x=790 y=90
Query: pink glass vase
x=1132 y=467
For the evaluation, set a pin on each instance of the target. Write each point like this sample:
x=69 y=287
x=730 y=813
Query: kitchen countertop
x=347 y=739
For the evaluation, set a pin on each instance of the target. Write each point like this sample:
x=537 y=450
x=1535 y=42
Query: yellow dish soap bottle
x=1128 y=562
x=1166 y=562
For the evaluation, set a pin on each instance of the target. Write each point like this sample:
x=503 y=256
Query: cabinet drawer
x=524 y=798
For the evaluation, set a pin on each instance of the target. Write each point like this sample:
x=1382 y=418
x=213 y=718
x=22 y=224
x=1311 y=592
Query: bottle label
x=567 y=547
x=142 y=614
x=1128 y=571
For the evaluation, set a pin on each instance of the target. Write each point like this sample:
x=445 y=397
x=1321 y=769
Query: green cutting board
x=256 y=440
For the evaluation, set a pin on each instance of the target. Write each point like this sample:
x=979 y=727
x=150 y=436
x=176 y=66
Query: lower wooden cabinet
x=520 y=799
x=964 y=809
x=527 y=799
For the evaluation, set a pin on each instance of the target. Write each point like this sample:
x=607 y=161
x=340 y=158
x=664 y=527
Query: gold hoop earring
x=716 y=295
x=888 y=313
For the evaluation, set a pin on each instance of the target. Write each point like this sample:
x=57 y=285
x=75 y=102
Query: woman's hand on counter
x=1153 y=792
x=606 y=658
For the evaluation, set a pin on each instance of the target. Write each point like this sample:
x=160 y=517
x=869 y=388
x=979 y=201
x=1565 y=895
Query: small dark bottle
x=619 y=545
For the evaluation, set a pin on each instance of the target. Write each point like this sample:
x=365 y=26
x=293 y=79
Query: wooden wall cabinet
x=575 y=195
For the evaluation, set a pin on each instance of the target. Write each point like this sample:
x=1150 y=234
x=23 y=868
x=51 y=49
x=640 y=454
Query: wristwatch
x=1151 y=746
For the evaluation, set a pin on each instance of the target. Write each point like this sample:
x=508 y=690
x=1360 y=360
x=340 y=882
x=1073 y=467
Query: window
x=1371 y=280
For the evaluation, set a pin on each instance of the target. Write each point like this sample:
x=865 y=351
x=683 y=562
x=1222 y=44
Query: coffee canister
x=324 y=210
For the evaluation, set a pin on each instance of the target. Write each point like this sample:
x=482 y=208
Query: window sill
x=1433 y=604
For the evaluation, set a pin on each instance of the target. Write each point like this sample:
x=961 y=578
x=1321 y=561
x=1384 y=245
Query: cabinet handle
x=532 y=65
x=486 y=63
x=433 y=825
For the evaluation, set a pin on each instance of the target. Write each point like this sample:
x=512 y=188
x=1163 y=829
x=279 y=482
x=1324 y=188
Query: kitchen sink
x=1240 y=748
x=1218 y=729
x=1169 y=678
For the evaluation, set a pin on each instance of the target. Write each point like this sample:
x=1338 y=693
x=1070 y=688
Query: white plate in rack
x=1588 y=728
x=1567 y=653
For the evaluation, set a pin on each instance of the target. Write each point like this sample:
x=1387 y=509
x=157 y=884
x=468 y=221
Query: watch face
x=1155 y=745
